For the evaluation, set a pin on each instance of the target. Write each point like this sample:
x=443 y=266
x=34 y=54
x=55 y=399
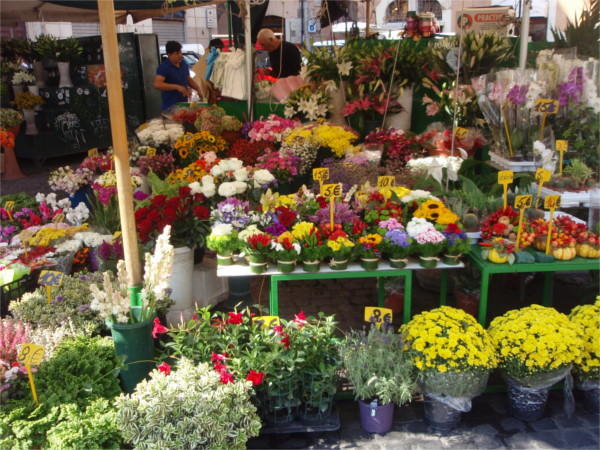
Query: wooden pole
x=116 y=108
x=368 y=13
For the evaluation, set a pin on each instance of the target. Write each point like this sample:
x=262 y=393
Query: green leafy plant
x=22 y=200
x=378 y=367
x=45 y=46
x=105 y=216
x=68 y=49
x=583 y=33
x=581 y=127
x=579 y=172
x=188 y=408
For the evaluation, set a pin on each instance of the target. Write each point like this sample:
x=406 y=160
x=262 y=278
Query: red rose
x=201 y=212
x=255 y=377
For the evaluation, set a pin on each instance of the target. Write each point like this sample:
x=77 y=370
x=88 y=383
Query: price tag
x=320 y=174
x=562 y=145
x=378 y=315
x=151 y=152
x=542 y=175
x=93 y=152
x=460 y=132
x=50 y=278
x=9 y=206
x=60 y=217
x=547 y=106
x=331 y=190
x=505 y=177
x=385 y=182
x=266 y=322
x=31 y=355
x=551 y=202
x=522 y=202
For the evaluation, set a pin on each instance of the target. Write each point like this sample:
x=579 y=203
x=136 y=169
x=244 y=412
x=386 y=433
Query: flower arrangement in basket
x=428 y=242
x=536 y=347
x=308 y=102
x=313 y=248
x=285 y=250
x=340 y=249
x=454 y=355
x=223 y=239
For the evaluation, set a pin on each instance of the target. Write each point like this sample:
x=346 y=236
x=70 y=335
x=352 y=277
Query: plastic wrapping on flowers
x=463 y=386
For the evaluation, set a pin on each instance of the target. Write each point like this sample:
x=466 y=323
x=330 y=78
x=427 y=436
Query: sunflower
x=430 y=209
x=184 y=153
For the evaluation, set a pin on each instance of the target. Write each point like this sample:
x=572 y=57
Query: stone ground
x=487 y=426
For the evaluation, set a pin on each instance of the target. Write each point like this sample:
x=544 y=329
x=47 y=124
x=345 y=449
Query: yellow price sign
x=542 y=175
x=385 y=182
x=320 y=174
x=505 y=177
x=31 y=355
x=460 y=132
x=378 y=315
x=9 y=206
x=562 y=145
x=93 y=152
x=547 y=106
x=266 y=321
x=50 y=278
x=523 y=201
x=151 y=152
x=331 y=190
x=552 y=202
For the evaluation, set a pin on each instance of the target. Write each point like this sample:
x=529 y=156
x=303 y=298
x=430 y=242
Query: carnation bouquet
x=223 y=239
x=428 y=242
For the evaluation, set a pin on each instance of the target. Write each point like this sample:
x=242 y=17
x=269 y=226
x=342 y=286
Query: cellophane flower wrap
x=285 y=248
x=452 y=352
x=313 y=248
x=536 y=344
x=428 y=242
x=223 y=239
x=587 y=319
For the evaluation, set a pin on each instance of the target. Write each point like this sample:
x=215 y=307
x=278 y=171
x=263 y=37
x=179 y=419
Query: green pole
x=135 y=296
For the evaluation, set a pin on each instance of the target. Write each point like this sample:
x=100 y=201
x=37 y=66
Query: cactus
x=470 y=221
x=12 y=334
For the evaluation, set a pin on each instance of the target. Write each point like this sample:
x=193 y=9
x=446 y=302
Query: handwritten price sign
x=320 y=174
x=31 y=355
x=266 y=321
x=331 y=190
x=547 y=106
x=385 y=182
x=60 y=217
x=542 y=176
x=50 y=278
x=505 y=177
x=562 y=145
x=523 y=201
x=552 y=202
x=9 y=206
x=93 y=152
x=378 y=316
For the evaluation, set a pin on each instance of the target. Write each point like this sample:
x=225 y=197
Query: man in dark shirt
x=173 y=77
x=285 y=57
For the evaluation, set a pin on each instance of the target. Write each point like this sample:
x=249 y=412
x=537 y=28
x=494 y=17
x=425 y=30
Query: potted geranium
x=382 y=375
x=67 y=50
x=457 y=244
x=223 y=239
x=369 y=251
x=536 y=347
x=587 y=369
x=313 y=249
x=257 y=246
x=133 y=321
x=454 y=355
x=285 y=250
x=340 y=249
x=397 y=244
x=428 y=242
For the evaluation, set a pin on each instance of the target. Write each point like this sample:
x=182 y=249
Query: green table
x=488 y=269
x=354 y=271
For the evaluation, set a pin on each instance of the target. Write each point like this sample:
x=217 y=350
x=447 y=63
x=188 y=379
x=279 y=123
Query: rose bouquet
x=223 y=239
x=536 y=347
x=454 y=355
x=428 y=242
x=270 y=129
x=340 y=249
x=285 y=250
x=313 y=249
x=308 y=102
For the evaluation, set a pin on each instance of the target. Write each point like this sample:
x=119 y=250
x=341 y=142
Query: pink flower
x=300 y=319
x=226 y=377
x=165 y=368
x=214 y=357
x=158 y=328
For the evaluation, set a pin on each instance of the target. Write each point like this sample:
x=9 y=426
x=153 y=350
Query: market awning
x=14 y=11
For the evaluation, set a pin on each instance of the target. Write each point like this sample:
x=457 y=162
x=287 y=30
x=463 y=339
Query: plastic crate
x=15 y=289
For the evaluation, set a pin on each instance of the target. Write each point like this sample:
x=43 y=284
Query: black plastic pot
x=439 y=416
x=526 y=403
x=591 y=400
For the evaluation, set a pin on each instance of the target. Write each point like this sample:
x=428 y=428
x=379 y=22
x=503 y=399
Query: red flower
x=278 y=329
x=235 y=318
x=453 y=228
x=165 y=368
x=201 y=212
x=255 y=377
x=259 y=240
x=358 y=226
x=158 y=328
x=286 y=341
x=219 y=367
x=286 y=216
x=322 y=202
x=195 y=317
x=300 y=319
x=184 y=191
x=218 y=323
x=499 y=228
x=226 y=377
x=336 y=234
x=14 y=364
x=214 y=357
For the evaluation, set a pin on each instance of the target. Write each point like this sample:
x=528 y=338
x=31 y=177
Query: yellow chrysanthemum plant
x=452 y=352
x=587 y=319
x=536 y=346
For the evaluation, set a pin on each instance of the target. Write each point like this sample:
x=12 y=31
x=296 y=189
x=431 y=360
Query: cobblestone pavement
x=487 y=426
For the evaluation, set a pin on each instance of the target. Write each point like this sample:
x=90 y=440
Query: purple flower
x=275 y=229
x=58 y=299
x=105 y=251
x=232 y=211
x=140 y=195
x=84 y=308
x=343 y=214
x=397 y=238
x=453 y=238
x=518 y=94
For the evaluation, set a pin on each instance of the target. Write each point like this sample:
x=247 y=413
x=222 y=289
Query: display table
x=354 y=271
x=488 y=269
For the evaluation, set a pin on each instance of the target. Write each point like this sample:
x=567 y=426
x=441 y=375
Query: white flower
x=232 y=164
x=418 y=226
x=217 y=170
x=344 y=68
x=250 y=230
x=545 y=155
x=222 y=229
x=418 y=194
x=195 y=188
x=70 y=246
x=40 y=197
x=158 y=267
x=241 y=174
x=289 y=112
x=92 y=239
x=304 y=73
x=262 y=177
x=227 y=189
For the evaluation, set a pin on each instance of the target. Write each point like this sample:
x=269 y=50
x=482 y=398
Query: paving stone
x=484 y=430
x=417 y=427
x=421 y=444
x=512 y=425
x=543 y=439
x=565 y=422
x=545 y=424
x=580 y=439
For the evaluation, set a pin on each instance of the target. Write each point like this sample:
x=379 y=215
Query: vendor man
x=285 y=57
x=173 y=77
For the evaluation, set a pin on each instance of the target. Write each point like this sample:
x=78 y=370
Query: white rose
x=209 y=190
x=241 y=174
x=240 y=187
x=262 y=177
x=227 y=189
x=216 y=171
x=195 y=188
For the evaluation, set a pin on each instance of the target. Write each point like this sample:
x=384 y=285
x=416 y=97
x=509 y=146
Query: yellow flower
x=302 y=230
x=446 y=217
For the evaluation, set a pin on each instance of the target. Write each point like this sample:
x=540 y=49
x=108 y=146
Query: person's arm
x=194 y=85
x=161 y=85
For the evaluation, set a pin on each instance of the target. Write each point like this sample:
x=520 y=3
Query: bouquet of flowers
x=193 y=172
x=209 y=119
x=437 y=141
x=157 y=133
x=22 y=77
x=160 y=163
x=333 y=140
x=98 y=164
x=248 y=152
x=68 y=180
x=258 y=248
x=232 y=211
x=10 y=118
x=27 y=100
x=587 y=319
x=285 y=250
x=284 y=165
x=428 y=242
x=397 y=145
x=340 y=249
x=308 y=102
x=270 y=129
x=397 y=244
x=457 y=243
x=223 y=239
x=191 y=146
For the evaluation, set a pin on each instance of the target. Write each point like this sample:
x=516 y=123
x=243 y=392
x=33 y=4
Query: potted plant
x=577 y=177
x=224 y=240
x=133 y=322
x=257 y=246
x=369 y=251
x=428 y=242
x=285 y=250
x=10 y=119
x=340 y=249
x=499 y=251
x=453 y=355
x=382 y=375
x=26 y=101
x=313 y=249
x=587 y=369
x=457 y=245
x=536 y=347
x=397 y=245
x=67 y=50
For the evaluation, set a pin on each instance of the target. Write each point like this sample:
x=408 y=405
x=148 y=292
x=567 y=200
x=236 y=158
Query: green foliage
x=70 y=302
x=46 y=46
x=68 y=49
x=161 y=187
x=581 y=127
x=189 y=408
x=579 y=172
x=321 y=64
x=22 y=200
x=105 y=217
x=378 y=367
x=583 y=33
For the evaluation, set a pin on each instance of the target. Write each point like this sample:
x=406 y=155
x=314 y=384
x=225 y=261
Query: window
x=396 y=11
x=431 y=6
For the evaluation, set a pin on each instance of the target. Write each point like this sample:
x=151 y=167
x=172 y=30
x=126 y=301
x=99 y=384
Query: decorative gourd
x=588 y=251
x=564 y=253
x=496 y=257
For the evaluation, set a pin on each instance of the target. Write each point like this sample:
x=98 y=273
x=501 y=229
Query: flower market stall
x=112 y=280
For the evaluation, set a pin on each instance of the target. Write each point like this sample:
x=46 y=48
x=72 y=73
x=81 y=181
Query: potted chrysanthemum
x=537 y=347
x=223 y=239
x=313 y=249
x=587 y=370
x=453 y=355
x=285 y=250
x=428 y=242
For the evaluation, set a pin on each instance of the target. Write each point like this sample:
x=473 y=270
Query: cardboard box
x=497 y=18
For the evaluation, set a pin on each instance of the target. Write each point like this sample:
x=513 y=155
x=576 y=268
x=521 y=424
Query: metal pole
x=110 y=49
x=249 y=57
x=368 y=12
x=524 y=34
